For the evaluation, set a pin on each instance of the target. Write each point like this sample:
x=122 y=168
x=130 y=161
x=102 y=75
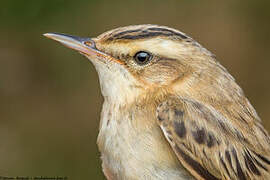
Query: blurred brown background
x=49 y=95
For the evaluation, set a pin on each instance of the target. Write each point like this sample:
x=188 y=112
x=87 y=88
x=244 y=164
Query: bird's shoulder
x=211 y=146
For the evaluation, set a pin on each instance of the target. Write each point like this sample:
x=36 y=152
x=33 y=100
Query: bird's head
x=140 y=60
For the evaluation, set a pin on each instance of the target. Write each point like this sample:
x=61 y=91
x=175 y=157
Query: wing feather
x=209 y=146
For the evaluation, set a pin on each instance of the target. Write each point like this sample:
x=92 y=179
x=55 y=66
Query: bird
x=170 y=110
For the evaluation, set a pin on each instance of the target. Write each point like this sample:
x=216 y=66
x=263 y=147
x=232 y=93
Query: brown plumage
x=171 y=111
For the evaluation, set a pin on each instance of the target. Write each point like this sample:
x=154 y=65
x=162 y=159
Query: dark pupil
x=142 y=57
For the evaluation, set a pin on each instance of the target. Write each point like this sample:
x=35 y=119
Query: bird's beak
x=85 y=46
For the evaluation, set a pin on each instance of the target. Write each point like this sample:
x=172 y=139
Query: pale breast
x=133 y=147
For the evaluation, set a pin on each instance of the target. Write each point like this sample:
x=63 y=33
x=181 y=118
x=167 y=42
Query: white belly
x=130 y=151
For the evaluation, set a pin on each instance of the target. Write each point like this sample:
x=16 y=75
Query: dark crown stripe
x=142 y=33
x=126 y=32
x=168 y=30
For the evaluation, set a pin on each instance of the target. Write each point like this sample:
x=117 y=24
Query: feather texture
x=222 y=152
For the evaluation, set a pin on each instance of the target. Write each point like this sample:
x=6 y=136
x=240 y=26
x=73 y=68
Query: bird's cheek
x=157 y=80
x=159 y=76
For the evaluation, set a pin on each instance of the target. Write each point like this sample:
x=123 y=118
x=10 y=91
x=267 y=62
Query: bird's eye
x=142 y=57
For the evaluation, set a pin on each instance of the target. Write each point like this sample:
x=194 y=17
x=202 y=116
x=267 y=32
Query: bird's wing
x=209 y=146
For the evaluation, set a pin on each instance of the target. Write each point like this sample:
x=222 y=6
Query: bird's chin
x=116 y=83
x=95 y=60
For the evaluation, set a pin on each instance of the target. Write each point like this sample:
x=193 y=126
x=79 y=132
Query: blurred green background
x=49 y=95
